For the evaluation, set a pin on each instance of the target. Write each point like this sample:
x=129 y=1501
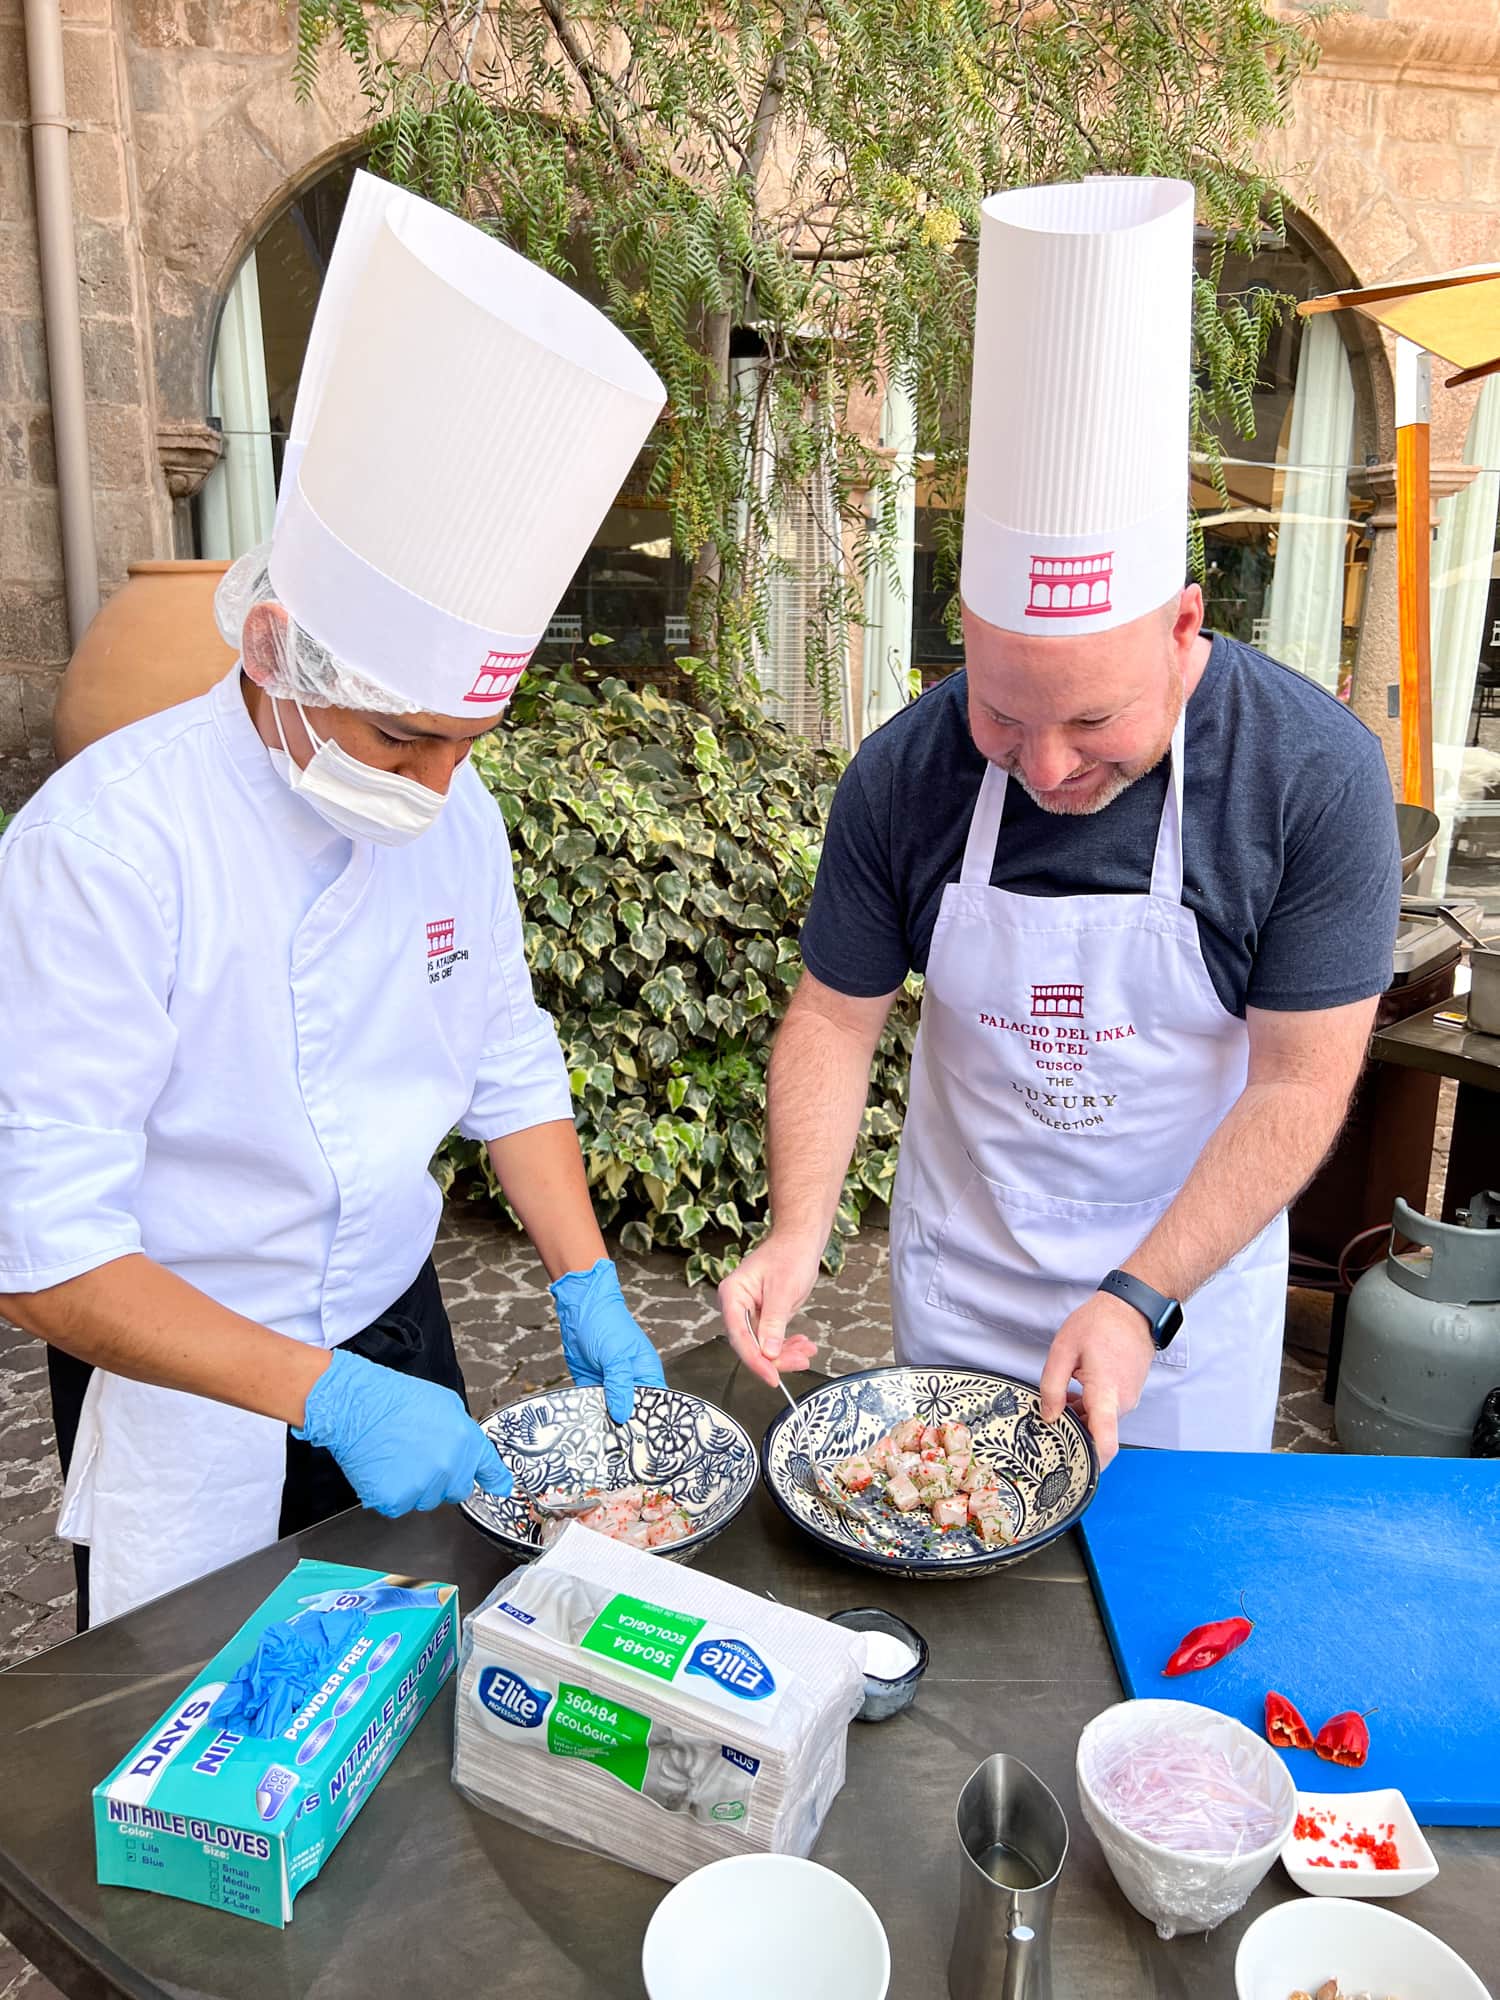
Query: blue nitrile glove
x=402 y=1443
x=600 y=1340
x=290 y=1662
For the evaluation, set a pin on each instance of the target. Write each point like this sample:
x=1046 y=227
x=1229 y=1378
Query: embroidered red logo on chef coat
x=442 y=952
x=1070 y=586
x=1057 y=1003
x=497 y=678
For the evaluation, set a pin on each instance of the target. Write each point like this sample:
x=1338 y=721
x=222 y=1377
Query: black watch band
x=1161 y=1314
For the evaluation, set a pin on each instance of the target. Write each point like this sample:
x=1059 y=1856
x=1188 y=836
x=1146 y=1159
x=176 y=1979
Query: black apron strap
x=415 y=1338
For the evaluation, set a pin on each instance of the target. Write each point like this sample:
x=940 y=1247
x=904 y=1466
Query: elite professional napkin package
x=617 y=1702
x=340 y=1665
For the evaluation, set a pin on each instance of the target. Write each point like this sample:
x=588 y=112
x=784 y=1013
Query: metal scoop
x=866 y=1512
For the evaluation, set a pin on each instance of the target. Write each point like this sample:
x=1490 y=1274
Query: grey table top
x=427 y=1896
x=1441 y=1047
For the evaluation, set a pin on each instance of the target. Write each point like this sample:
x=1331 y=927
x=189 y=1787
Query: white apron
x=1073 y=1060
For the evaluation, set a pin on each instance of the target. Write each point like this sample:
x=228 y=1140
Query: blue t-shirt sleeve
x=1331 y=932
x=854 y=936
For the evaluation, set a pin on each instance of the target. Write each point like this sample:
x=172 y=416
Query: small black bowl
x=885 y=1698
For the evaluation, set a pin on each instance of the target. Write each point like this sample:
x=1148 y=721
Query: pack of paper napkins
x=618 y=1702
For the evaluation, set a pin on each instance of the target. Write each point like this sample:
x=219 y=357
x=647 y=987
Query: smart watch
x=1162 y=1315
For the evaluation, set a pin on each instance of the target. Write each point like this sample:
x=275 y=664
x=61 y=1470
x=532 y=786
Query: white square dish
x=1354 y=1812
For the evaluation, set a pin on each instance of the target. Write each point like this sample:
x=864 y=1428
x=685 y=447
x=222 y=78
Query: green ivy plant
x=662 y=866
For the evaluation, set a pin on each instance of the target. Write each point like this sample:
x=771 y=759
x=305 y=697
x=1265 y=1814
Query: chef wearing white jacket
x=1150 y=877
x=263 y=951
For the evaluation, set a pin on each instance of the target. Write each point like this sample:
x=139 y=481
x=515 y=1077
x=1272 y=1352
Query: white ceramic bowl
x=1298 y=1945
x=766 y=1927
x=1182 y=1892
x=1369 y=1812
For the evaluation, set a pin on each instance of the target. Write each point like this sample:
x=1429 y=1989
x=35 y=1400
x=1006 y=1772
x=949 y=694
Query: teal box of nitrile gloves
x=248 y=1782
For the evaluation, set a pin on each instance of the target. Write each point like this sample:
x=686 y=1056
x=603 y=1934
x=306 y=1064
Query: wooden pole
x=1414 y=567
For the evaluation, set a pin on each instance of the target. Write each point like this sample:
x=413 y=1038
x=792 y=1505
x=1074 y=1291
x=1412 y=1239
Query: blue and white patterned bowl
x=1048 y=1472
x=564 y=1438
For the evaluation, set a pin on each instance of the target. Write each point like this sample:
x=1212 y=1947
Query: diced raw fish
x=951 y=1513
x=957 y=1438
x=932 y=1438
x=637 y=1536
x=855 y=1473
x=909 y=1462
x=958 y=1464
x=903 y=1492
x=885 y=1455
x=990 y=1529
x=671 y=1528
x=977 y=1476
x=934 y=1482
x=908 y=1435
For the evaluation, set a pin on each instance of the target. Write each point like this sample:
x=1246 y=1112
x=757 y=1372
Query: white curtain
x=237 y=506
x=804 y=558
x=1307 y=586
x=1463 y=559
x=888 y=597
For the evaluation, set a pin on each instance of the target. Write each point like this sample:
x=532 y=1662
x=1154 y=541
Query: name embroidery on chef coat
x=1059 y=1041
x=442 y=955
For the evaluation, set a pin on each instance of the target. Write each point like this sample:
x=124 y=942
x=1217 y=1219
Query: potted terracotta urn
x=151 y=645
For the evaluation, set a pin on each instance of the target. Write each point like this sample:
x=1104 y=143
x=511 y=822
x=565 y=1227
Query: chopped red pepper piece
x=1206 y=1645
x=1285 y=1726
x=1344 y=1739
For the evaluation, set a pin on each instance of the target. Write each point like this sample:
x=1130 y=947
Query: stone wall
x=190 y=137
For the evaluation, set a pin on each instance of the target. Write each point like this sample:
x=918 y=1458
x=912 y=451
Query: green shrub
x=663 y=863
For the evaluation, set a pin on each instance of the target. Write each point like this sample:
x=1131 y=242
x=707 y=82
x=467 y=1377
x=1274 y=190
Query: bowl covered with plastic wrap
x=1190 y=1807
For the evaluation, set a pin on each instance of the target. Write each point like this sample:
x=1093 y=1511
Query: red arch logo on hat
x=497 y=678
x=1070 y=586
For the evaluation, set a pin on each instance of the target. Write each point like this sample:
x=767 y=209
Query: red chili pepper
x=1344 y=1739
x=1206 y=1645
x=1284 y=1725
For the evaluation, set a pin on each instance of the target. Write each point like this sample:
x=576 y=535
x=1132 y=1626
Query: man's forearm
x=819 y=1079
x=1256 y=1163
x=135 y=1319
x=541 y=1170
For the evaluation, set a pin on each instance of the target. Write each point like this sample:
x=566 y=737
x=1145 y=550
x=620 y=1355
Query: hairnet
x=305 y=670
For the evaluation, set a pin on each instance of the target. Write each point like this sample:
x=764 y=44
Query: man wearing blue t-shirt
x=1151 y=962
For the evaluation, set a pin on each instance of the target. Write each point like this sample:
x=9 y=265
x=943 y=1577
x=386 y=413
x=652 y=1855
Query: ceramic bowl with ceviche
x=1330 y=1949
x=669 y=1481
x=962 y=1473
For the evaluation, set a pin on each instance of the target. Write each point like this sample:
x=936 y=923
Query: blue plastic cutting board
x=1374 y=1583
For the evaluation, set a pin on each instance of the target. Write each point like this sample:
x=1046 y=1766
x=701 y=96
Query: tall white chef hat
x=463 y=426
x=1077 y=508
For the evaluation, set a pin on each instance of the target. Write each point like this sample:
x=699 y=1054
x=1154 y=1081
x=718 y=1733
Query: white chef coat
x=234 y=1041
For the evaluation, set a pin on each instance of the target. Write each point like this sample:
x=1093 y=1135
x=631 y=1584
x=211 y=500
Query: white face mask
x=354 y=798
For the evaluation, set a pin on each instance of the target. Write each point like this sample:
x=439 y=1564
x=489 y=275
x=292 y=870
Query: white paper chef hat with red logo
x=463 y=425
x=1077 y=509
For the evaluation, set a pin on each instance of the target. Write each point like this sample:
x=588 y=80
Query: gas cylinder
x=1422 y=1338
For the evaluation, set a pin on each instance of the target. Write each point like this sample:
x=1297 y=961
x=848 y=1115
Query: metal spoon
x=866 y=1512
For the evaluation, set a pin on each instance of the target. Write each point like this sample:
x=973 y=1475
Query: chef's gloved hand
x=601 y=1342
x=402 y=1443
x=289 y=1664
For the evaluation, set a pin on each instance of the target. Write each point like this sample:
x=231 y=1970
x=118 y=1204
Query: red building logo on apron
x=439 y=936
x=1057 y=1003
x=497 y=678
x=1070 y=586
